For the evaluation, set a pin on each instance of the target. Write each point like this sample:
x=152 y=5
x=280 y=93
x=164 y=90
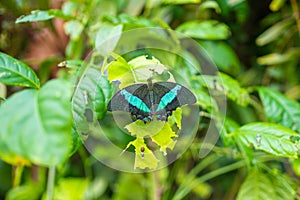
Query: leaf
x=259 y=185
x=279 y=58
x=274 y=32
x=219 y=50
x=280 y=109
x=146 y=160
x=209 y=30
x=180 y=1
x=135 y=71
x=70 y=188
x=103 y=94
x=14 y=72
x=268 y=137
x=74 y=28
x=36 y=124
x=41 y=15
x=275 y=5
x=83 y=99
x=140 y=129
x=256 y=186
x=107 y=38
x=231 y=88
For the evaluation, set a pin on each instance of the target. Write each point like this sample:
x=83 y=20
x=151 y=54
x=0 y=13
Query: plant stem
x=296 y=13
x=50 y=182
x=17 y=175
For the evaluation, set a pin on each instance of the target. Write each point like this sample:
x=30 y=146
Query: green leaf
x=256 y=186
x=279 y=58
x=259 y=185
x=143 y=161
x=219 y=50
x=280 y=109
x=70 y=188
x=74 y=28
x=180 y=1
x=84 y=99
x=232 y=89
x=268 y=137
x=103 y=94
x=14 y=72
x=275 y=5
x=209 y=30
x=274 y=32
x=107 y=38
x=164 y=138
x=41 y=15
x=137 y=70
x=36 y=124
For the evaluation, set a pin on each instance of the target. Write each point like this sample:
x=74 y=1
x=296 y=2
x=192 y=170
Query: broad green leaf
x=74 y=28
x=256 y=186
x=41 y=15
x=164 y=138
x=146 y=160
x=259 y=185
x=209 y=30
x=296 y=166
x=274 y=32
x=15 y=72
x=280 y=109
x=140 y=129
x=36 y=124
x=219 y=50
x=27 y=191
x=103 y=94
x=107 y=38
x=268 y=137
x=83 y=99
x=232 y=89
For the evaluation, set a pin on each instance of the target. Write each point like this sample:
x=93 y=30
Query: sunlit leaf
x=36 y=124
x=147 y=160
x=274 y=32
x=209 y=29
x=14 y=72
x=74 y=28
x=268 y=137
x=275 y=5
x=107 y=38
x=280 y=109
x=180 y=1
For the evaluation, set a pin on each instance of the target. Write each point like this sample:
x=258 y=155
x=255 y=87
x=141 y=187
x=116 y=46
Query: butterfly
x=153 y=100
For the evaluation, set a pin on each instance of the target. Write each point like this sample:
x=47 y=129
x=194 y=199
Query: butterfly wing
x=173 y=96
x=132 y=99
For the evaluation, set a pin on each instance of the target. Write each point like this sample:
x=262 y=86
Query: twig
x=296 y=13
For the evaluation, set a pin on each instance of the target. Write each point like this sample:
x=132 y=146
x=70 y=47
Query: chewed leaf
x=176 y=116
x=140 y=129
x=143 y=155
x=164 y=138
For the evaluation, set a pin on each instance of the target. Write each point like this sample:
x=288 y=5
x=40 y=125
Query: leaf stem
x=50 y=182
x=17 y=175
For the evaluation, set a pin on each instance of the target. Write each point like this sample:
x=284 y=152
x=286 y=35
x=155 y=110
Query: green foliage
x=14 y=72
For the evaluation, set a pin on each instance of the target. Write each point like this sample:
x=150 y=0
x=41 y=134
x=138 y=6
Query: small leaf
x=279 y=58
x=14 y=72
x=271 y=138
x=274 y=32
x=140 y=129
x=256 y=186
x=107 y=38
x=180 y=1
x=36 y=125
x=41 y=15
x=146 y=160
x=275 y=5
x=280 y=109
x=209 y=30
x=74 y=28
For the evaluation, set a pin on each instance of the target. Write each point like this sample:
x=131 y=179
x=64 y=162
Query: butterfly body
x=152 y=100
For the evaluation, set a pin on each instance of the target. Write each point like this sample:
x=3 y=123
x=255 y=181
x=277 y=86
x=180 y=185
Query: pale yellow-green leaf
x=140 y=129
x=164 y=138
x=142 y=162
